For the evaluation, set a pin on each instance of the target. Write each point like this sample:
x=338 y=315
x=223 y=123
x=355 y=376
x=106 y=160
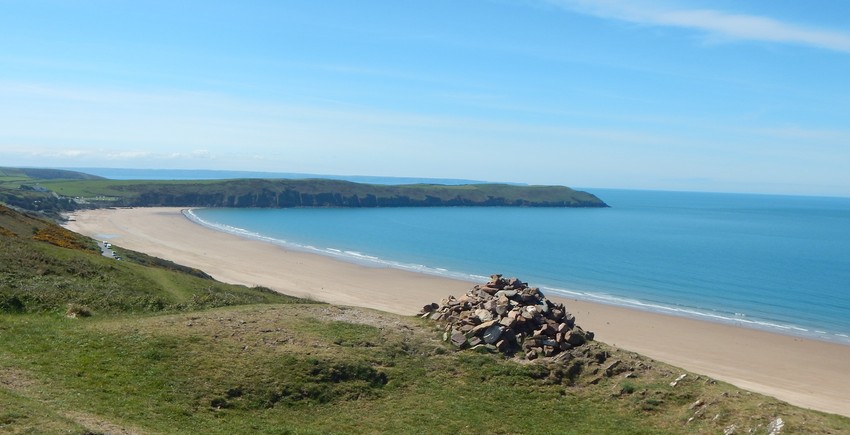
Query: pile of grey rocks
x=508 y=316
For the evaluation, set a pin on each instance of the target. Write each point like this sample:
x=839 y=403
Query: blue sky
x=677 y=95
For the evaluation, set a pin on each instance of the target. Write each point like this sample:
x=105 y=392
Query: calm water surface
x=774 y=262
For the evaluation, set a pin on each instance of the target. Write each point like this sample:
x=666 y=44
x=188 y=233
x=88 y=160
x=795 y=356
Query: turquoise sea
x=780 y=263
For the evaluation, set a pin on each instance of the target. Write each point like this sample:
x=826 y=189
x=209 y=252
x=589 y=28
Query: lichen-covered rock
x=510 y=316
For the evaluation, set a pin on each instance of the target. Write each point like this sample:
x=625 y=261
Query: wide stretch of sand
x=806 y=373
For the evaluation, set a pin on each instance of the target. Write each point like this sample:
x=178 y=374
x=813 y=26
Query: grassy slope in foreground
x=315 y=193
x=214 y=358
x=44 y=267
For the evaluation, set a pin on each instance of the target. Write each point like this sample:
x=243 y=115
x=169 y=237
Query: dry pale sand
x=806 y=373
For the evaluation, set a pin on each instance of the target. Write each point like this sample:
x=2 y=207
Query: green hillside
x=29 y=174
x=90 y=344
x=316 y=193
x=44 y=268
x=51 y=192
x=22 y=188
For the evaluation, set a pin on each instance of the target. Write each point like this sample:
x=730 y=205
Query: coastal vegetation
x=89 y=344
x=55 y=191
x=44 y=268
x=21 y=188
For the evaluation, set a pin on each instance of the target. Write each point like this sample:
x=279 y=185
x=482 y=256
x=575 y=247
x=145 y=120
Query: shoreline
x=563 y=293
x=802 y=371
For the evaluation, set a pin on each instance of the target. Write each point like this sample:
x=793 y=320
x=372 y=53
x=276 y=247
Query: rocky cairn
x=508 y=316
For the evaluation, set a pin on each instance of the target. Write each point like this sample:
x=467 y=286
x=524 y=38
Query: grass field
x=325 y=369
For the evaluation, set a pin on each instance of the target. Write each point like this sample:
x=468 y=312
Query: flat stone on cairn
x=508 y=316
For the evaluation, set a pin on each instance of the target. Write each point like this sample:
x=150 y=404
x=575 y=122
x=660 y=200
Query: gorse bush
x=56 y=235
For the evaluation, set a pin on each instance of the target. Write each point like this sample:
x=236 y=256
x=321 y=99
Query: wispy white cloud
x=816 y=136
x=101 y=154
x=717 y=24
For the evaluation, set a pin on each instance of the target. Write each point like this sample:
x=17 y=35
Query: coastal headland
x=803 y=372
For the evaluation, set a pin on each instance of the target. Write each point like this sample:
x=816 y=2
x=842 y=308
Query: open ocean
x=780 y=263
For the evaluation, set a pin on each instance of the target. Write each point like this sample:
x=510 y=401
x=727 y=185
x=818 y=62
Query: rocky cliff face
x=292 y=198
x=331 y=193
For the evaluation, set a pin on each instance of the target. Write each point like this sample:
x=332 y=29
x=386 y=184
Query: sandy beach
x=807 y=373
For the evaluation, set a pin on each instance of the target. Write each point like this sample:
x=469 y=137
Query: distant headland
x=55 y=190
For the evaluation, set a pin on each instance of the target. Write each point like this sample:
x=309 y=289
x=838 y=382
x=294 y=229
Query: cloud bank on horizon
x=680 y=95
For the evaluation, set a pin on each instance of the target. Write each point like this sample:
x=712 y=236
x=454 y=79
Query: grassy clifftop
x=28 y=174
x=21 y=187
x=317 y=193
x=168 y=350
x=51 y=192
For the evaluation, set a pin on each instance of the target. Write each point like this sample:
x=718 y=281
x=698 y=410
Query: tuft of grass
x=77 y=310
x=628 y=388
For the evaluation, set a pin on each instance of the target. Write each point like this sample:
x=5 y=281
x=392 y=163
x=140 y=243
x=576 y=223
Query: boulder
x=484 y=315
x=492 y=334
x=459 y=339
x=483 y=326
